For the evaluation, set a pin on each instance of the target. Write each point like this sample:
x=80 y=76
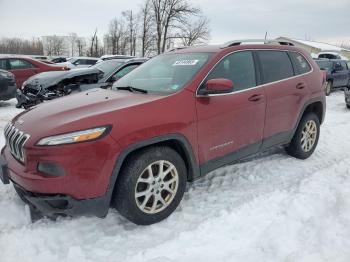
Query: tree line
x=21 y=46
x=152 y=29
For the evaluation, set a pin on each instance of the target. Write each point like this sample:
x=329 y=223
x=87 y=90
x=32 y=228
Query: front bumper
x=53 y=205
x=62 y=205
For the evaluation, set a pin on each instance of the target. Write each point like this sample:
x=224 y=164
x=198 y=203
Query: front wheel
x=150 y=185
x=306 y=137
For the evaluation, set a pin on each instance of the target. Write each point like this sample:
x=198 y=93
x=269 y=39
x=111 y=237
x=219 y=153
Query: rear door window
x=239 y=68
x=20 y=64
x=275 y=65
x=302 y=66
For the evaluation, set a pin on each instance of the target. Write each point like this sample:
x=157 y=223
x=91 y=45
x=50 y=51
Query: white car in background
x=112 y=57
x=331 y=55
x=79 y=62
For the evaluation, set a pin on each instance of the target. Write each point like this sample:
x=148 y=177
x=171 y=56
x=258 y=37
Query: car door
x=348 y=70
x=230 y=126
x=339 y=75
x=345 y=73
x=22 y=69
x=285 y=94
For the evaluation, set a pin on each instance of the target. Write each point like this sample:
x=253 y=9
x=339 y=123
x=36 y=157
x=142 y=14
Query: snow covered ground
x=271 y=208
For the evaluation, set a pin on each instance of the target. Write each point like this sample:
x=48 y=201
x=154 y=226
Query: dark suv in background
x=338 y=73
x=7 y=85
x=173 y=119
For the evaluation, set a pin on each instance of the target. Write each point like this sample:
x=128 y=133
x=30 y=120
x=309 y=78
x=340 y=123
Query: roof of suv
x=238 y=44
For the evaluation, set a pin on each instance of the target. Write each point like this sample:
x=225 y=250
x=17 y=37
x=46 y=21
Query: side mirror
x=113 y=79
x=217 y=86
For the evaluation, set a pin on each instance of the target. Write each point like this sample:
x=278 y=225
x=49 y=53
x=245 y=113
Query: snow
x=271 y=207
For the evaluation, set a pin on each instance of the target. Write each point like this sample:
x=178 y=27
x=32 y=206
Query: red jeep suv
x=172 y=120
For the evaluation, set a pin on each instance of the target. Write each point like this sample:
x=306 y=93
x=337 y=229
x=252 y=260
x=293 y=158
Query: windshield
x=108 y=67
x=165 y=73
x=325 y=65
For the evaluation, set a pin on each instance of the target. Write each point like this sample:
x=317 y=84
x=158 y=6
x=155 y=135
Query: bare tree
x=147 y=35
x=132 y=29
x=115 y=33
x=54 y=45
x=72 y=38
x=168 y=14
x=21 y=46
x=58 y=45
x=194 y=32
x=93 y=45
x=80 y=44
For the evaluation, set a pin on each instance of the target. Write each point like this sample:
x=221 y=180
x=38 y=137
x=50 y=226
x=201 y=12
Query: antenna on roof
x=265 y=37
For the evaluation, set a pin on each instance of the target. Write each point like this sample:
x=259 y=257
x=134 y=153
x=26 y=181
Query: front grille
x=15 y=139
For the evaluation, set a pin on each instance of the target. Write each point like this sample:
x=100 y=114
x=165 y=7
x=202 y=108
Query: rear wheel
x=348 y=106
x=150 y=185
x=305 y=138
x=328 y=88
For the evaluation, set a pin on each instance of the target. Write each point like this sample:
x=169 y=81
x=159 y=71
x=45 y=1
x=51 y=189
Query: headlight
x=75 y=137
x=24 y=84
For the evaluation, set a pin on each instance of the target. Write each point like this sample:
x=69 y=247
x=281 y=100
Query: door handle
x=255 y=98
x=300 y=86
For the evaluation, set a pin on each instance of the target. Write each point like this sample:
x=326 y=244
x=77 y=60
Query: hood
x=96 y=107
x=47 y=79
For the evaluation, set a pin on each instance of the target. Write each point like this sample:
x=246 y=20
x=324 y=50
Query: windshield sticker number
x=185 y=62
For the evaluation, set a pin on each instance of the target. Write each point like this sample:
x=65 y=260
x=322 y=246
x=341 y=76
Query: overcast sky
x=320 y=20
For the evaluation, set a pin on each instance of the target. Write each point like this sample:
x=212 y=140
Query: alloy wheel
x=156 y=187
x=309 y=135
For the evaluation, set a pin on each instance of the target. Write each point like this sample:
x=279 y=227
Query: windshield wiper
x=132 y=89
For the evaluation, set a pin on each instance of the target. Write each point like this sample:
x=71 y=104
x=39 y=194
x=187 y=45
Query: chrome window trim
x=258 y=86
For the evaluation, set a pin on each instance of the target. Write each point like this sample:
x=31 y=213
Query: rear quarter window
x=275 y=65
x=302 y=66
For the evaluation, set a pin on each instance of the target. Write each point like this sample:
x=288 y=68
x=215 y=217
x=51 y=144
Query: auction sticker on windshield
x=185 y=62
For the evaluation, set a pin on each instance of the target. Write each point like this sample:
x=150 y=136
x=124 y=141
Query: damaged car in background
x=51 y=85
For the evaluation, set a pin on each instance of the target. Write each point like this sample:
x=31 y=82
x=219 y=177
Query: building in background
x=317 y=47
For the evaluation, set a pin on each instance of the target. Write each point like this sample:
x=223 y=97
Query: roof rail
x=263 y=41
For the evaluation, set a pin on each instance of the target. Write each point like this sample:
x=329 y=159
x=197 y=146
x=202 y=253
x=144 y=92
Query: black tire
x=328 y=88
x=295 y=148
x=124 y=198
x=348 y=106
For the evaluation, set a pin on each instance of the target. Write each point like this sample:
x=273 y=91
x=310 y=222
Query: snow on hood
x=54 y=77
